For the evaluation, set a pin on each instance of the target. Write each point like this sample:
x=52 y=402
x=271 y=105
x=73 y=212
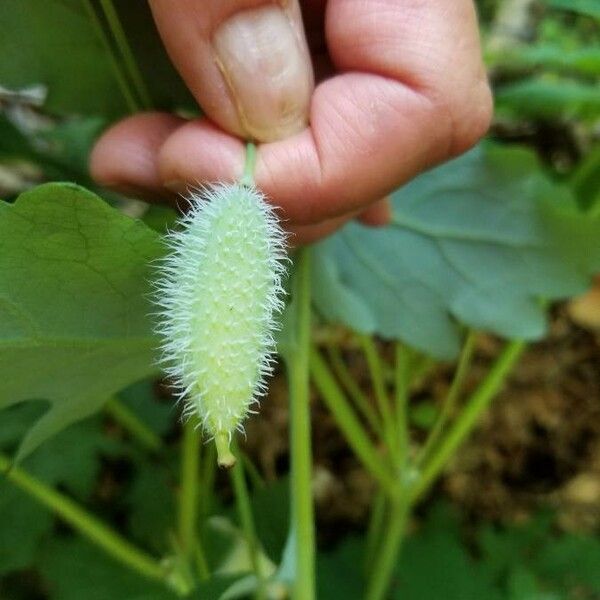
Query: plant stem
x=131 y=423
x=129 y=61
x=351 y=427
x=249 y=165
x=130 y=100
x=465 y=422
x=376 y=520
x=88 y=525
x=201 y=562
x=383 y=564
x=188 y=492
x=253 y=473
x=460 y=374
x=378 y=381
x=244 y=510
x=401 y=385
x=353 y=389
x=385 y=560
x=300 y=436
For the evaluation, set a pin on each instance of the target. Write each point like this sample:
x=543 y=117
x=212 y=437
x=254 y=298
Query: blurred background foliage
x=516 y=518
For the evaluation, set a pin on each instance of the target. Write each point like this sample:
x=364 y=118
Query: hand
x=401 y=87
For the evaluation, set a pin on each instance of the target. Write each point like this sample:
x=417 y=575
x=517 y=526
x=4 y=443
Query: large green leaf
x=73 y=569
x=563 y=562
x=151 y=499
x=74 y=309
x=480 y=241
x=68 y=46
x=69 y=459
x=340 y=571
x=436 y=564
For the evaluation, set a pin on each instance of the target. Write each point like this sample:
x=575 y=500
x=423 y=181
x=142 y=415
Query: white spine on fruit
x=219 y=292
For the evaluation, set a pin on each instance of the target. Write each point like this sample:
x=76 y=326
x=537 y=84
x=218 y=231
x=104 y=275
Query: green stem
x=244 y=510
x=347 y=380
x=376 y=520
x=189 y=486
x=88 y=525
x=253 y=473
x=385 y=559
x=401 y=385
x=465 y=422
x=449 y=405
x=378 y=380
x=249 y=166
x=202 y=562
x=420 y=369
x=350 y=426
x=129 y=61
x=131 y=423
x=300 y=436
x=383 y=564
x=132 y=103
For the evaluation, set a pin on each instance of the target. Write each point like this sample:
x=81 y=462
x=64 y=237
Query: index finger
x=411 y=92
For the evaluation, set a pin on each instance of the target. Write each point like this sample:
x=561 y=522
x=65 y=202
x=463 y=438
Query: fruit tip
x=225 y=457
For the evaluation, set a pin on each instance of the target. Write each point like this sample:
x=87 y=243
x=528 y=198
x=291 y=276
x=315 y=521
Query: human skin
x=400 y=87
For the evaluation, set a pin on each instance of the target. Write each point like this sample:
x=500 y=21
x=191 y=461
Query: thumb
x=246 y=62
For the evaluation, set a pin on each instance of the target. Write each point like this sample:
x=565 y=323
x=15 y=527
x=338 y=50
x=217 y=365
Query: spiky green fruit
x=219 y=292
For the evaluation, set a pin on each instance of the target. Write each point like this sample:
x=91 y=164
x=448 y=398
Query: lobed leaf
x=74 y=311
x=481 y=241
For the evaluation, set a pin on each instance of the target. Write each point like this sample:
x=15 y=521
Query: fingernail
x=267 y=68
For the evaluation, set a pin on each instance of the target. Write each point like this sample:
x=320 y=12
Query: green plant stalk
x=415 y=365
x=132 y=104
x=378 y=380
x=401 y=389
x=249 y=165
x=253 y=473
x=350 y=426
x=381 y=555
x=189 y=486
x=353 y=389
x=302 y=511
x=244 y=510
x=129 y=61
x=449 y=404
x=385 y=559
x=376 y=522
x=201 y=562
x=86 y=524
x=466 y=421
x=131 y=423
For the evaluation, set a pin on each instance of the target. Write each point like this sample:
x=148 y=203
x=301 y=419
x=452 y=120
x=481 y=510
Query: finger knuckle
x=471 y=115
